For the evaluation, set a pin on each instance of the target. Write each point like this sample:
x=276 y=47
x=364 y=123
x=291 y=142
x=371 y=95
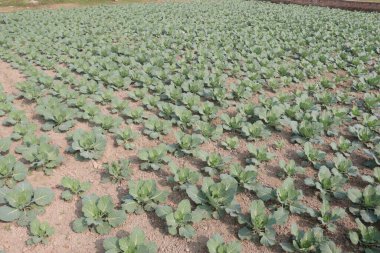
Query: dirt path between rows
x=34 y=7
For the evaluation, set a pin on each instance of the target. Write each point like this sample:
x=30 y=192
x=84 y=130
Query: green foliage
x=117 y=171
x=179 y=220
x=57 y=115
x=259 y=155
x=215 y=162
x=11 y=171
x=215 y=199
x=15 y=116
x=87 y=144
x=312 y=240
x=153 y=158
x=39 y=232
x=328 y=183
x=290 y=169
x=143 y=195
x=366 y=203
x=259 y=225
x=73 y=187
x=328 y=216
x=186 y=144
x=209 y=130
x=21 y=129
x=312 y=154
x=367 y=237
x=289 y=196
x=22 y=203
x=344 y=166
x=41 y=154
x=246 y=177
x=230 y=143
x=134 y=115
x=99 y=214
x=107 y=122
x=155 y=127
x=5 y=144
x=255 y=131
x=125 y=137
x=233 y=123
x=135 y=242
x=216 y=244
x=183 y=176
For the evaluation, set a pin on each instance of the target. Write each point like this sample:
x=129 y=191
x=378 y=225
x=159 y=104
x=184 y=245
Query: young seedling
x=117 y=171
x=73 y=187
x=39 y=232
x=143 y=195
x=135 y=242
x=99 y=214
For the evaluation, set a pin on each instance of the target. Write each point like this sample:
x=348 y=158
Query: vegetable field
x=214 y=126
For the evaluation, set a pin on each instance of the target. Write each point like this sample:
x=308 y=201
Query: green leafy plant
x=304 y=241
x=207 y=111
x=215 y=162
x=185 y=117
x=73 y=187
x=155 y=127
x=344 y=166
x=153 y=158
x=246 y=177
x=87 y=144
x=42 y=155
x=183 y=176
x=135 y=115
x=375 y=178
x=89 y=111
x=313 y=155
x=186 y=144
x=22 y=203
x=135 y=242
x=375 y=154
x=368 y=238
x=327 y=216
x=216 y=244
x=15 y=116
x=289 y=196
x=125 y=137
x=290 y=169
x=306 y=131
x=21 y=129
x=5 y=144
x=271 y=117
x=11 y=171
x=259 y=224
x=179 y=220
x=117 y=171
x=328 y=183
x=233 y=123
x=39 y=232
x=215 y=199
x=366 y=203
x=143 y=195
x=230 y=143
x=57 y=115
x=107 y=122
x=118 y=105
x=99 y=214
x=209 y=130
x=255 y=131
x=259 y=155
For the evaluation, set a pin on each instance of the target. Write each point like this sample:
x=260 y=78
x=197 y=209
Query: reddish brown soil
x=340 y=4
